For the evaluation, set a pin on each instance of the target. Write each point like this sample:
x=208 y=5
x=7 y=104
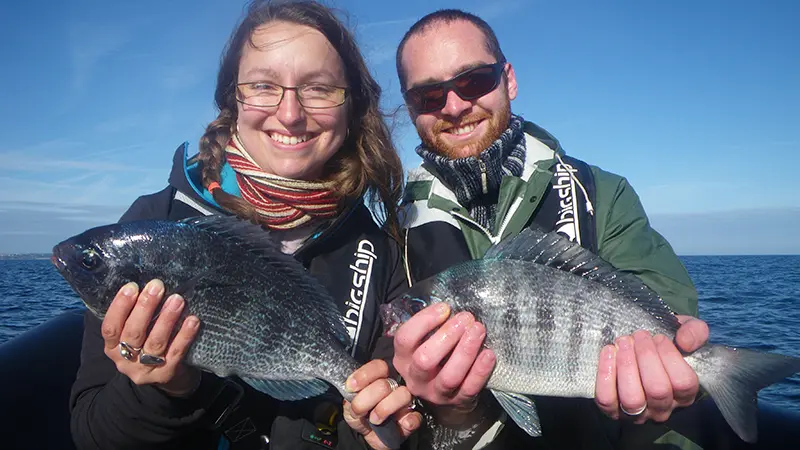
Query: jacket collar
x=540 y=148
x=187 y=177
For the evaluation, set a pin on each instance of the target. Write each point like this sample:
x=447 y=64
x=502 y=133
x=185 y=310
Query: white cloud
x=89 y=43
x=120 y=124
x=407 y=21
x=32 y=227
x=20 y=162
x=379 y=54
x=179 y=77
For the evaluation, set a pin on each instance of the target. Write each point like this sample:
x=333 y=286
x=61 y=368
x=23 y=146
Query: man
x=487 y=174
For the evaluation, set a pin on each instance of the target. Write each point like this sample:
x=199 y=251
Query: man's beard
x=496 y=125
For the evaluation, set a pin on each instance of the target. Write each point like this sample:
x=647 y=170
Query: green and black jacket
x=589 y=205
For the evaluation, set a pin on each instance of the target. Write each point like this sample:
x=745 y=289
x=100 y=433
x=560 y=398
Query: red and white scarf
x=282 y=203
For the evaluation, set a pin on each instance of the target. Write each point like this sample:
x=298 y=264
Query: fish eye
x=417 y=304
x=90 y=259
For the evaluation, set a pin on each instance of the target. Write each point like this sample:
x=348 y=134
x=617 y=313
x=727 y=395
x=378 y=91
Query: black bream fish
x=549 y=307
x=263 y=317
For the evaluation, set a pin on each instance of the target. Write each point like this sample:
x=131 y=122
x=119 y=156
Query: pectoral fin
x=288 y=389
x=522 y=410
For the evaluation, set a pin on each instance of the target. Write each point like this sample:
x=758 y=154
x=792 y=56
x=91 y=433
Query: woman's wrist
x=183 y=386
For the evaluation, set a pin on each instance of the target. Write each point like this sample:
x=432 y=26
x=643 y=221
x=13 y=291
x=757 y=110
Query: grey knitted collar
x=477 y=187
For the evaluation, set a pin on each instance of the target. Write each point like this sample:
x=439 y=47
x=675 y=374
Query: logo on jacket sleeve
x=362 y=275
x=567 y=220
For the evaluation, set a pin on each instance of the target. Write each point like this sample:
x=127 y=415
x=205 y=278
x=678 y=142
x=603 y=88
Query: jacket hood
x=542 y=136
x=187 y=177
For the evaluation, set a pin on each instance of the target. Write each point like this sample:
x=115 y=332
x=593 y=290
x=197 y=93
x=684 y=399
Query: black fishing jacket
x=353 y=258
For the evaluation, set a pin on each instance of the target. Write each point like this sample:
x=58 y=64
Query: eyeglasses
x=469 y=85
x=315 y=96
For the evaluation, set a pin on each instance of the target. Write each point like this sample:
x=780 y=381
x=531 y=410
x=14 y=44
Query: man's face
x=461 y=128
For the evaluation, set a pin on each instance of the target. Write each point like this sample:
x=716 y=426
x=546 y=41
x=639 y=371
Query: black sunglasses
x=468 y=85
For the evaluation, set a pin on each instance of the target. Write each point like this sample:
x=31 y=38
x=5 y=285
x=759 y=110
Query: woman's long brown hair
x=367 y=164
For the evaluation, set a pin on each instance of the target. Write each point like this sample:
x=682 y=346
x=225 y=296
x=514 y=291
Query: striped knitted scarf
x=282 y=203
x=505 y=157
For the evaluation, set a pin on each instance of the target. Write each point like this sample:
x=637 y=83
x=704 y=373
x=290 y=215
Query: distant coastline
x=24 y=256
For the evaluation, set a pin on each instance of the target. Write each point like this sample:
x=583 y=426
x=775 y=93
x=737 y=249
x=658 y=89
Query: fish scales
x=549 y=307
x=262 y=316
x=550 y=346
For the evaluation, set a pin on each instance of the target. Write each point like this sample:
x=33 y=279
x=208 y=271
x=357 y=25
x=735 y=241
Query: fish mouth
x=60 y=264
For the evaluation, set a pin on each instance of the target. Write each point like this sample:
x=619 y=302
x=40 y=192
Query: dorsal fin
x=554 y=250
x=259 y=242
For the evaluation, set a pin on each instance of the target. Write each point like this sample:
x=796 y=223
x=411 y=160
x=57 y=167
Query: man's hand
x=449 y=368
x=646 y=377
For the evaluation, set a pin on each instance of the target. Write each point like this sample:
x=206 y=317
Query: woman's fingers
x=409 y=421
x=398 y=400
x=136 y=326
x=159 y=337
x=117 y=314
x=183 y=340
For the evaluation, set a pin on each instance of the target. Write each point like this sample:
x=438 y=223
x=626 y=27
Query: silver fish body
x=547 y=332
x=549 y=307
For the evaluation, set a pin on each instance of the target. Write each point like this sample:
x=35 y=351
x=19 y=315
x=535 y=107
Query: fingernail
x=129 y=290
x=641 y=335
x=608 y=352
x=461 y=319
x=351 y=384
x=476 y=331
x=192 y=322
x=488 y=357
x=625 y=343
x=374 y=419
x=409 y=422
x=174 y=303
x=443 y=308
x=155 y=287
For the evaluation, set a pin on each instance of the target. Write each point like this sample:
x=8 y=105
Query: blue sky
x=696 y=103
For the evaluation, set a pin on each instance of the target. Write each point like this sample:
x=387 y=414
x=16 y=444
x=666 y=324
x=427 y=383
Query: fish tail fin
x=389 y=433
x=733 y=377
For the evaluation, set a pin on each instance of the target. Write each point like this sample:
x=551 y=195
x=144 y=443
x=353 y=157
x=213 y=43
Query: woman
x=298 y=144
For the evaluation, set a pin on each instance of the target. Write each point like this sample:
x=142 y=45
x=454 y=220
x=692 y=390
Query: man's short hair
x=447 y=16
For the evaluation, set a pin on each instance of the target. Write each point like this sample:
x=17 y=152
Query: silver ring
x=392 y=384
x=638 y=412
x=150 y=360
x=128 y=351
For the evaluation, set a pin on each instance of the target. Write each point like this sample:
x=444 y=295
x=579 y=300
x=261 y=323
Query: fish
x=549 y=306
x=263 y=317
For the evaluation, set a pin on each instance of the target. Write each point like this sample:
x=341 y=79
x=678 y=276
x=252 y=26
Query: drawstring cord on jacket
x=589 y=207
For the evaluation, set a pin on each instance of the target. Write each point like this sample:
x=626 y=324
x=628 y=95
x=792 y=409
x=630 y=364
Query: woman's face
x=288 y=140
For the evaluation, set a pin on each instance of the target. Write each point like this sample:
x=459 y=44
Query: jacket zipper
x=484 y=178
x=493 y=239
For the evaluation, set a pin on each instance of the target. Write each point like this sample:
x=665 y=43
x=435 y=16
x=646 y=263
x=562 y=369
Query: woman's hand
x=150 y=357
x=376 y=401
